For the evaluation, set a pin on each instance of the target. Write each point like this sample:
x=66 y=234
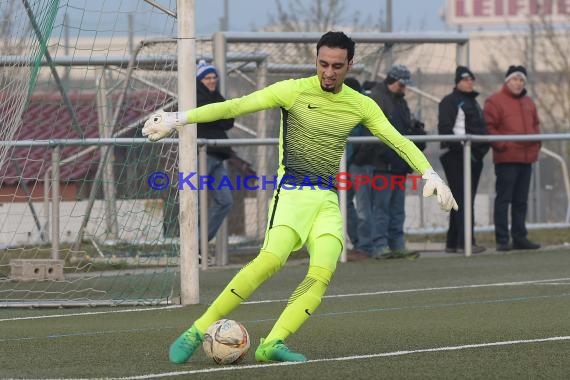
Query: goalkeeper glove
x=162 y=124
x=435 y=186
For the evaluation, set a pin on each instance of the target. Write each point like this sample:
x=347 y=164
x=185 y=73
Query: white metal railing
x=467 y=140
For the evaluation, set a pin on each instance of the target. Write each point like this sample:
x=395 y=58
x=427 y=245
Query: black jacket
x=460 y=109
x=398 y=113
x=215 y=129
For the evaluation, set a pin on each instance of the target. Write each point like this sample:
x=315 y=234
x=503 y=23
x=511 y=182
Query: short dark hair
x=337 y=40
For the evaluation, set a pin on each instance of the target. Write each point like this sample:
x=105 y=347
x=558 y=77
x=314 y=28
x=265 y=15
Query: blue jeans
x=381 y=213
x=222 y=199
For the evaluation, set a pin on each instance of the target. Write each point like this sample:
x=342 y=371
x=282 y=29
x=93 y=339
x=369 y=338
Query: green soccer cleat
x=185 y=345
x=277 y=351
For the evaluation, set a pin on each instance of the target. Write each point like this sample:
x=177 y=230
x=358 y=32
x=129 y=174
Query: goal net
x=24 y=39
x=77 y=70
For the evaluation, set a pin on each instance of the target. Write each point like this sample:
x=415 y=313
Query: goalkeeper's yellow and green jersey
x=315 y=125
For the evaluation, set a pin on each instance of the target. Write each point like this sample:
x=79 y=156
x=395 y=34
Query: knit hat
x=514 y=71
x=203 y=69
x=400 y=73
x=462 y=72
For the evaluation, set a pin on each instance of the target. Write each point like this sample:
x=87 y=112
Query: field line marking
x=319 y=315
x=431 y=289
x=363 y=294
x=352 y=357
x=88 y=313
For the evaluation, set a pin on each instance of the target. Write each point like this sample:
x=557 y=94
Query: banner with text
x=503 y=12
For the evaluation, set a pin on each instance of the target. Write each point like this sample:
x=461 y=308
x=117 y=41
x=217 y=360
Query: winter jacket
x=215 y=129
x=460 y=114
x=509 y=114
x=380 y=155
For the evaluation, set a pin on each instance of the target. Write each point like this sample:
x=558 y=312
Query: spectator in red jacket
x=510 y=111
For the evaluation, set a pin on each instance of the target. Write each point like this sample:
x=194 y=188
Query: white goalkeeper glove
x=435 y=186
x=162 y=124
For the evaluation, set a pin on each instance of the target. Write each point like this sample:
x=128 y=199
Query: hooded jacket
x=215 y=129
x=510 y=114
x=460 y=114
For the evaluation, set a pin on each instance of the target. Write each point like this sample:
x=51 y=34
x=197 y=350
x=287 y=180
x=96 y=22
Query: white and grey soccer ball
x=226 y=341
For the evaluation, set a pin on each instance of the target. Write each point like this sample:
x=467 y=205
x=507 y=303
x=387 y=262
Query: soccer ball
x=226 y=342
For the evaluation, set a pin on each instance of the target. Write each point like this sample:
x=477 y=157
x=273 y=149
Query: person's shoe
x=276 y=351
x=477 y=248
x=405 y=254
x=503 y=247
x=524 y=243
x=474 y=249
x=356 y=255
x=383 y=254
x=185 y=345
x=450 y=249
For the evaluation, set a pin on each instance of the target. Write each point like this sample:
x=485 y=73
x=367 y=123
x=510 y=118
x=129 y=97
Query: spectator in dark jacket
x=382 y=212
x=460 y=114
x=510 y=111
x=207 y=92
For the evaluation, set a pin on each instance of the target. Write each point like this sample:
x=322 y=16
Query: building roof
x=47 y=118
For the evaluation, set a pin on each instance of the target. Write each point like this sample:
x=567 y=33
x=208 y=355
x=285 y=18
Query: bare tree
x=544 y=48
x=318 y=16
x=552 y=47
x=315 y=16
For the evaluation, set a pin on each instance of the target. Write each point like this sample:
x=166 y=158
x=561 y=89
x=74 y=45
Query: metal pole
x=203 y=203
x=467 y=211
x=389 y=16
x=189 y=270
x=46 y=210
x=109 y=191
x=262 y=155
x=225 y=20
x=221 y=64
x=131 y=33
x=389 y=47
x=55 y=203
x=535 y=203
x=343 y=209
x=462 y=54
x=66 y=83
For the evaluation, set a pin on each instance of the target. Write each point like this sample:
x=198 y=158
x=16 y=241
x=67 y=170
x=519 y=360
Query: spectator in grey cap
x=401 y=74
x=382 y=213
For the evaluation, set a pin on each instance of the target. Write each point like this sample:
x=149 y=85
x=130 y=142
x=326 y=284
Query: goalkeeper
x=317 y=115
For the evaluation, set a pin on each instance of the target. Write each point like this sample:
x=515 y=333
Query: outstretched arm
x=379 y=125
x=163 y=124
